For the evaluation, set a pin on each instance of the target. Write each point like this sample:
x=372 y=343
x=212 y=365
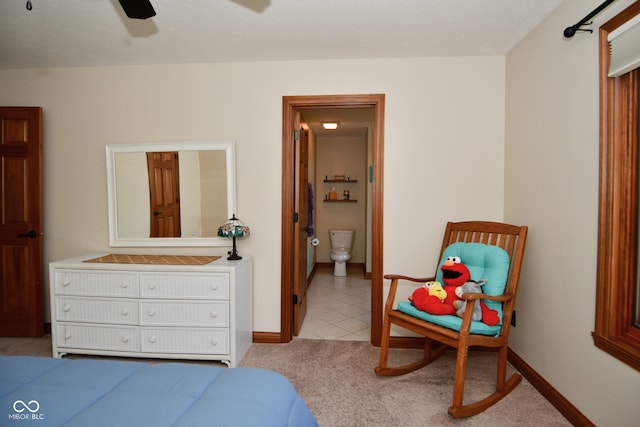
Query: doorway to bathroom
x=338 y=307
x=293 y=109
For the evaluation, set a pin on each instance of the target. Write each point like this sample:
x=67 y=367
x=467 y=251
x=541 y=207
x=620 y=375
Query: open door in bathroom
x=301 y=137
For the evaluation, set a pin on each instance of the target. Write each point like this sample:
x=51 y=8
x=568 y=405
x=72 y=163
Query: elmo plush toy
x=454 y=275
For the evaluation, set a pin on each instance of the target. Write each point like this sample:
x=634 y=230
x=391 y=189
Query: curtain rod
x=570 y=31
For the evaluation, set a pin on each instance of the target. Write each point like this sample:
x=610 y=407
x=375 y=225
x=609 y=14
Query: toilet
x=341 y=245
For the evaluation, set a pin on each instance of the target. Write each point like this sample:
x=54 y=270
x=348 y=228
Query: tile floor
x=338 y=308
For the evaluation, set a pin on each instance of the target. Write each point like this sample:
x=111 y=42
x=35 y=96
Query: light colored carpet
x=10 y=346
x=337 y=381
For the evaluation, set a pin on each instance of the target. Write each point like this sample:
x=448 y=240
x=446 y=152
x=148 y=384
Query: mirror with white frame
x=204 y=179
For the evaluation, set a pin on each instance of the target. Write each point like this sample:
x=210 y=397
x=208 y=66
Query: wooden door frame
x=291 y=104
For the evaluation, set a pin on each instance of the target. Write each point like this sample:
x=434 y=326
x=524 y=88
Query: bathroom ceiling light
x=330 y=125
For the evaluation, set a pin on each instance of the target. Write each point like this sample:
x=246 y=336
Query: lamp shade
x=234 y=229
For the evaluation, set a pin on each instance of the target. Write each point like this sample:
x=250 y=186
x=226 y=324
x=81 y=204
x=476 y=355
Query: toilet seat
x=341 y=246
x=340 y=259
x=340 y=256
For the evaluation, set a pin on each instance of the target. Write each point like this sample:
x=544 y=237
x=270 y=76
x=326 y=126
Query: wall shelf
x=340 y=179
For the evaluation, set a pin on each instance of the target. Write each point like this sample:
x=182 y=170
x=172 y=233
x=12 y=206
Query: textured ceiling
x=63 y=33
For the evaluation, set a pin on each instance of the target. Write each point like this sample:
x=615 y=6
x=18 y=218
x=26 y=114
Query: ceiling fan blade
x=138 y=9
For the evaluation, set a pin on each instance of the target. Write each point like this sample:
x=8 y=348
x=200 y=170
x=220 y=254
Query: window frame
x=615 y=331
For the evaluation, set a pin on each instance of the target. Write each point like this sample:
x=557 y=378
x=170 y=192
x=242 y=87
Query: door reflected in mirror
x=170 y=194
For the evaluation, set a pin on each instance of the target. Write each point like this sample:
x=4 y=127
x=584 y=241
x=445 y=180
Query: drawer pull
x=66 y=282
x=125 y=339
x=67 y=335
x=152 y=313
x=66 y=308
x=214 y=314
x=214 y=342
x=125 y=285
x=214 y=287
x=152 y=285
x=125 y=311
x=152 y=340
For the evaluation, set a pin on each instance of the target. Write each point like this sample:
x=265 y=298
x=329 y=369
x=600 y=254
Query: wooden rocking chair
x=465 y=333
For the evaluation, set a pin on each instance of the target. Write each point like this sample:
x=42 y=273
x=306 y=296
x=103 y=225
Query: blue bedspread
x=63 y=392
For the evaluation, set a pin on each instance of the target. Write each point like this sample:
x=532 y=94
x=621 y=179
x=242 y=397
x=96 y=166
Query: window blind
x=624 y=47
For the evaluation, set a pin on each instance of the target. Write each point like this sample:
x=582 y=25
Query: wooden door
x=164 y=194
x=301 y=192
x=291 y=105
x=21 y=271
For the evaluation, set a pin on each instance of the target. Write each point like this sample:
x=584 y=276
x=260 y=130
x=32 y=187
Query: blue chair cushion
x=484 y=262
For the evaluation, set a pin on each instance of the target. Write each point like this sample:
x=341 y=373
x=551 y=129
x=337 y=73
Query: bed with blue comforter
x=89 y=392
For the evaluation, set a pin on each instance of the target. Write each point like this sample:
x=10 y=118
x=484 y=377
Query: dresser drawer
x=185 y=285
x=97 y=337
x=185 y=340
x=145 y=310
x=170 y=313
x=80 y=309
x=96 y=283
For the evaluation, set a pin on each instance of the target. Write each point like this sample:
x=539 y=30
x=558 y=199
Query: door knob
x=31 y=235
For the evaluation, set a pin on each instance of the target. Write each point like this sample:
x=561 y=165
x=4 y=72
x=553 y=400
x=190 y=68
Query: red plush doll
x=454 y=275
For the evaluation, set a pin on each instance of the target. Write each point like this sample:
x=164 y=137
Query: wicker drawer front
x=97 y=337
x=149 y=310
x=96 y=283
x=185 y=340
x=116 y=310
x=168 y=313
x=185 y=285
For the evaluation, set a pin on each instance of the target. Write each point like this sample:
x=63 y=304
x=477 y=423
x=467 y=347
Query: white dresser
x=148 y=310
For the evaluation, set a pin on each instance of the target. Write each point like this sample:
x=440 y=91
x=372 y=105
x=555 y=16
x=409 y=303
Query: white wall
x=551 y=184
x=444 y=144
x=341 y=156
